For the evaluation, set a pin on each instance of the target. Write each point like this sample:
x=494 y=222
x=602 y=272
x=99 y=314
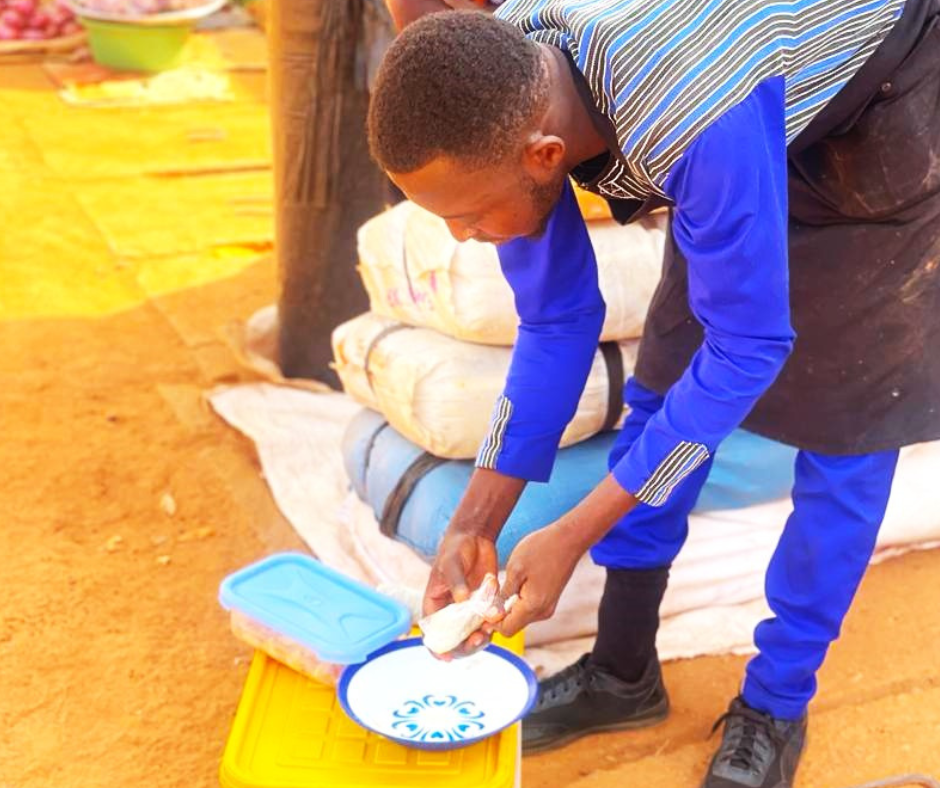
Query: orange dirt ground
x=117 y=667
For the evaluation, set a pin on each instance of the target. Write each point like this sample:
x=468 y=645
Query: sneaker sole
x=658 y=716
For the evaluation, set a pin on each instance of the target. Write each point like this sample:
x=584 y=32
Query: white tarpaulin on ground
x=715 y=594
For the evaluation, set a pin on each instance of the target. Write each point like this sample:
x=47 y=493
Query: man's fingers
x=513 y=623
x=518 y=617
x=474 y=643
x=508 y=593
x=432 y=603
x=456 y=580
x=436 y=595
x=512 y=583
x=494 y=613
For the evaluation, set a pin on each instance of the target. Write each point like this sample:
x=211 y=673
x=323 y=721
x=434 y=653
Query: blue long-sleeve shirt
x=730 y=221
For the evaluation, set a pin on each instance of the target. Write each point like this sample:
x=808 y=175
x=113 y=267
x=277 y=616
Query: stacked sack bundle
x=432 y=354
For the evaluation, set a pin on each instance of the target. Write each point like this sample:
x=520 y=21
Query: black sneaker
x=585 y=699
x=757 y=750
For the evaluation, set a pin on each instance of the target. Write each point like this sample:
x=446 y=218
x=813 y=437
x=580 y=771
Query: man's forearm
x=487 y=503
x=591 y=519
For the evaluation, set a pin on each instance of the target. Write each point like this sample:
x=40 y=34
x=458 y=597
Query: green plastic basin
x=130 y=47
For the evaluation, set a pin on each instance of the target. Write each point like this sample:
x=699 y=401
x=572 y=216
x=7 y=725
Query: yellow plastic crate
x=290 y=732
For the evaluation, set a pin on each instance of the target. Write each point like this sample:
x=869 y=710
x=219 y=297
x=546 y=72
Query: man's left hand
x=538 y=571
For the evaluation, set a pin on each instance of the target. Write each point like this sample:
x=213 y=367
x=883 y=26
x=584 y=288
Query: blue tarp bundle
x=414 y=494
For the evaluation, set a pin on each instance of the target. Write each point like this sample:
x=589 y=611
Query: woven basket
x=49 y=46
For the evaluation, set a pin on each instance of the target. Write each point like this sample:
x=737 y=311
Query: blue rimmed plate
x=405 y=694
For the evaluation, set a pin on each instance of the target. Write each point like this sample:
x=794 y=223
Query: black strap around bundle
x=367 y=457
x=613 y=360
x=424 y=463
x=375 y=341
x=395 y=503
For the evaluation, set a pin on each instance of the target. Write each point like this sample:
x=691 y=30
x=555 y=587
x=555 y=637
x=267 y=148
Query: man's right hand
x=468 y=550
x=463 y=560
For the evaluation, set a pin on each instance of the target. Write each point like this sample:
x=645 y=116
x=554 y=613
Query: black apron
x=864 y=191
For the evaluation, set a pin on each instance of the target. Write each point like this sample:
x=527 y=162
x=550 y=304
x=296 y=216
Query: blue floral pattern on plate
x=403 y=693
x=437 y=719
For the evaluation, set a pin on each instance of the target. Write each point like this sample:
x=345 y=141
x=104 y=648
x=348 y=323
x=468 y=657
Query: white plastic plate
x=405 y=694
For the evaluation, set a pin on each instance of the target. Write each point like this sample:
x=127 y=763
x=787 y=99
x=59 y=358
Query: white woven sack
x=439 y=392
x=415 y=272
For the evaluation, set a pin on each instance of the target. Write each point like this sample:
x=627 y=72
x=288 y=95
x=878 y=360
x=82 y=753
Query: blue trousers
x=838 y=506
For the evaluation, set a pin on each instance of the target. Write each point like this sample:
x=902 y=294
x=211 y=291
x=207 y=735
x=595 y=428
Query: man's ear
x=542 y=157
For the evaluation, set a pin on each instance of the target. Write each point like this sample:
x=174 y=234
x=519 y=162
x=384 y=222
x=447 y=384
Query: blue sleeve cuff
x=656 y=463
x=530 y=458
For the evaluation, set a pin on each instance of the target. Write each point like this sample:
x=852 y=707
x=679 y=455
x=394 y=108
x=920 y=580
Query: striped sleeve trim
x=679 y=463
x=493 y=444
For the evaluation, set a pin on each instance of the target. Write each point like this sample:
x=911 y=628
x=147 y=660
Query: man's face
x=494 y=204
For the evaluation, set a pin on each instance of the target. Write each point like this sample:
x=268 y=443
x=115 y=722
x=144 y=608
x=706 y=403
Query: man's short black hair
x=457 y=84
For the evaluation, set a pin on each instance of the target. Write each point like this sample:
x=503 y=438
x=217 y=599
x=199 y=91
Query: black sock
x=627 y=621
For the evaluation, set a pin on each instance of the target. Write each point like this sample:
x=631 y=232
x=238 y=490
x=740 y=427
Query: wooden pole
x=326 y=186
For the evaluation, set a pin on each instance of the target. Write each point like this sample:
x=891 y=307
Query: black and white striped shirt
x=664 y=70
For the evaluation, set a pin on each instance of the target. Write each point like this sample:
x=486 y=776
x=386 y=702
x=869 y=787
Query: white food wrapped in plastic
x=450 y=626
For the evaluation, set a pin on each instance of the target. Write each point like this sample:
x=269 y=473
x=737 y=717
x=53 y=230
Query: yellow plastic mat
x=25 y=89
x=162 y=140
x=53 y=260
x=18 y=152
x=107 y=208
x=160 y=276
x=290 y=732
x=240 y=48
x=153 y=217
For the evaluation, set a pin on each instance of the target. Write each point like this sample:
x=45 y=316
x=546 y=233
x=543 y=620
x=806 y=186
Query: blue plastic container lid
x=336 y=617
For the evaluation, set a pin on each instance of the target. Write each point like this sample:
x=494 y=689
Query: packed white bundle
x=439 y=392
x=415 y=272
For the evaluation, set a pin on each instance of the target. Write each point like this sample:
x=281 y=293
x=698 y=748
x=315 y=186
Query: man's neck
x=567 y=116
